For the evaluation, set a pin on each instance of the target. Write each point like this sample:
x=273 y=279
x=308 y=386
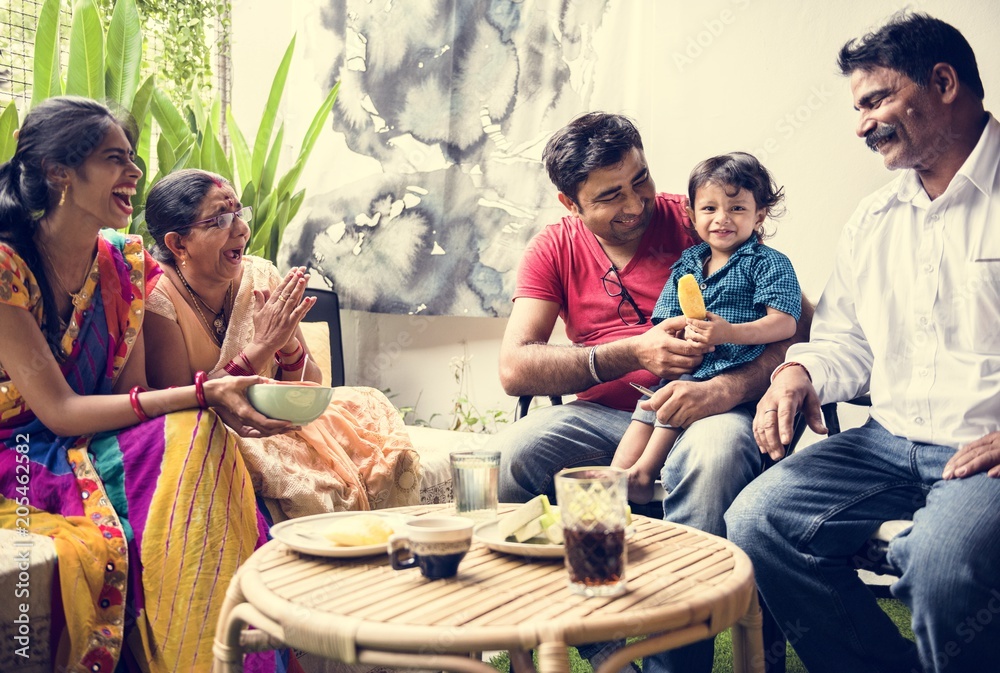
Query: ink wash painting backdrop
x=425 y=187
x=452 y=102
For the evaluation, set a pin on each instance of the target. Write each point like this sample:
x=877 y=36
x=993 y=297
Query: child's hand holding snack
x=712 y=331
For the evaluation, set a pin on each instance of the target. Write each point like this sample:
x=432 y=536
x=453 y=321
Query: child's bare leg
x=645 y=471
x=632 y=444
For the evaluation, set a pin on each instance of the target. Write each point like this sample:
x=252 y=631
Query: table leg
x=748 y=640
x=553 y=657
x=520 y=661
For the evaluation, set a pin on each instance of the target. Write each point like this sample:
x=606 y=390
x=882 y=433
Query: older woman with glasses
x=219 y=310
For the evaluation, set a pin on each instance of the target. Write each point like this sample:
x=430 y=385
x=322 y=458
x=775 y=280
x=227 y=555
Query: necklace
x=79 y=294
x=217 y=328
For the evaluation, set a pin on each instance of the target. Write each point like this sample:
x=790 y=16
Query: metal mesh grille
x=18 y=19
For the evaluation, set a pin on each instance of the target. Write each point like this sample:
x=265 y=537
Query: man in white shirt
x=911 y=314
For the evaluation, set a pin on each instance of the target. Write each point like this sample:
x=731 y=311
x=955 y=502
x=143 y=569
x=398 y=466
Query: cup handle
x=399 y=553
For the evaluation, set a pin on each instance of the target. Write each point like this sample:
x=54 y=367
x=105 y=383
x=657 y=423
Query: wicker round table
x=683 y=585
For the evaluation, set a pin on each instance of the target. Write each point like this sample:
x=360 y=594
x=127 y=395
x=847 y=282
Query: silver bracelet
x=593 y=365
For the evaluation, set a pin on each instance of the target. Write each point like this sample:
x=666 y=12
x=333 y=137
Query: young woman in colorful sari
x=218 y=310
x=150 y=507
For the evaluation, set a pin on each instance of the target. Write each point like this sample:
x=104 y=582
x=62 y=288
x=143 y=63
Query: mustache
x=880 y=133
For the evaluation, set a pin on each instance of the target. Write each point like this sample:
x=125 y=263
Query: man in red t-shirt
x=601 y=270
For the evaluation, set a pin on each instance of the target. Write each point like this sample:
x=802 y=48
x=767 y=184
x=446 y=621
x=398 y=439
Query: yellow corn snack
x=692 y=303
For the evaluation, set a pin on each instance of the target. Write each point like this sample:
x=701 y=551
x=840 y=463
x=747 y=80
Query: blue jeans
x=803 y=519
x=709 y=465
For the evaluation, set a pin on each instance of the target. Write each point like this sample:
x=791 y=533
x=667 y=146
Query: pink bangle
x=292 y=352
x=784 y=365
x=133 y=398
x=199 y=388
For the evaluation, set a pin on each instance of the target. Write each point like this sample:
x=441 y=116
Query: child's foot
x=640 y=487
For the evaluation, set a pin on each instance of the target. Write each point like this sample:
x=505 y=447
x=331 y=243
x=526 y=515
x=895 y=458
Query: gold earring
x=62 y=197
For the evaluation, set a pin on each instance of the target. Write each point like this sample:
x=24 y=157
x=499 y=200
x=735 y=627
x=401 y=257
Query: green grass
x=724 y=647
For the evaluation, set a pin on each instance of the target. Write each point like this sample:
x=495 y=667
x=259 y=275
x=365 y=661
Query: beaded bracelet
x=133 y=397
x=199 y=388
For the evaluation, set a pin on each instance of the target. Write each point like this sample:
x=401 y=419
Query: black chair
x=327 y=309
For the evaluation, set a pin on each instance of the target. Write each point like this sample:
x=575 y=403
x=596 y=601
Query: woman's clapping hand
x=277 y=313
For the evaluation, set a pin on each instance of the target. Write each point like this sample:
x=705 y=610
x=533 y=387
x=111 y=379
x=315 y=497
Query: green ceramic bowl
x=299 y=404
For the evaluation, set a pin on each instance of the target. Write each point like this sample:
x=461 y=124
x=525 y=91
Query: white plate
x=489 y=534
x=306 y=535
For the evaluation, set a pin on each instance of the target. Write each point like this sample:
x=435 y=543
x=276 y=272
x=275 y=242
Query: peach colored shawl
x=357 y=456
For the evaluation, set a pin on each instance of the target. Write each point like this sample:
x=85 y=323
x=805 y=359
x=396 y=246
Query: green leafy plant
x=465 y=416
x=107 y=67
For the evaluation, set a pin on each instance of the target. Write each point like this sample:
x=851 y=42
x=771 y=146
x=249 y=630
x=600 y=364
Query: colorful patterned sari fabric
x=149 y=523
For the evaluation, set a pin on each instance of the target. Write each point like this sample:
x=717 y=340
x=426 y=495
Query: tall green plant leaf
x=263 y=140
x=46 y=81
x=172 y=124
x=241 y=152
x=287 y=183
x=140 y=106
x=271 y=167
x=124 y=54
x=8 y=124
x=165 y=155
x=213 y=158
x=293 y=208
x=85 y=75
x=194 y=102
x=278 y=228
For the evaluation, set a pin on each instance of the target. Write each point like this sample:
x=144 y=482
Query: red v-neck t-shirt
x=564 y=264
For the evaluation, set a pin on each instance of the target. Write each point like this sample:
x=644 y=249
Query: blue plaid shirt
x=754 y=278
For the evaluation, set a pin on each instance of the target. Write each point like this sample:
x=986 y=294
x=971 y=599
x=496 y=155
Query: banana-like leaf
x=287 y=183
x=46 y=80
x=8 y=124
x=142 y=161
x=263 y=214
x=85 y=75
x=278 y=228
x=262 y=236
x=124 y=53
x=271 y=167
x=263 y=140
x=241 y=152
x=140 y=107
x=172 y=124
x=293 y=208
x=213 y=158
x=165 y=154
x=249 y=196
x=199 y=121
x=182 y=161
x=139 y=200
x=215 y=114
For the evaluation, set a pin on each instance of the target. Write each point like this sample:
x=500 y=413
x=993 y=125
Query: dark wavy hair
x=173 y=204
x=61 y=131
x=736 y=171
x=591 y=141
x=913 y=44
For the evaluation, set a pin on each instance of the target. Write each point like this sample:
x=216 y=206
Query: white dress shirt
x=912 y=310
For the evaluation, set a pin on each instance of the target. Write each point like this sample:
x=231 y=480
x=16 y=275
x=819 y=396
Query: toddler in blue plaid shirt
x=750 y=290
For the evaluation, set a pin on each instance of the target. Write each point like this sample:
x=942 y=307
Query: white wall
x=716 y=76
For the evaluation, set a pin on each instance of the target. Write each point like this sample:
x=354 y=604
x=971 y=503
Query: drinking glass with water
x=475 y=476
